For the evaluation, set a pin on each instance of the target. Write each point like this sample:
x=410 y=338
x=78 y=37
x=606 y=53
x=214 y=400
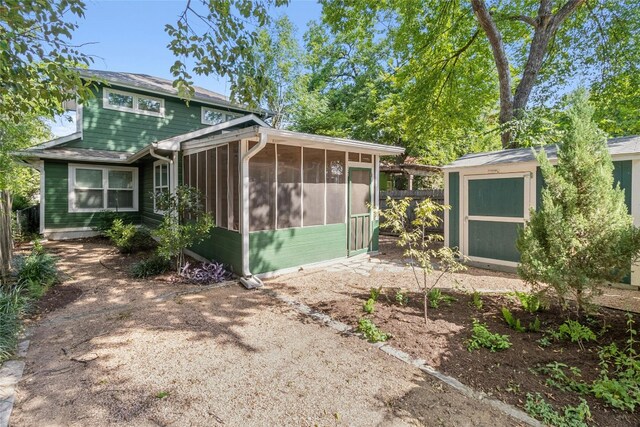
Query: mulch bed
x=507 y=375
x=57 y=297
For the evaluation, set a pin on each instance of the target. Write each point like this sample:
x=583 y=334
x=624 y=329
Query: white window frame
x=227 y=115
x=105 y=188
x=157 y=187
x=135 y=109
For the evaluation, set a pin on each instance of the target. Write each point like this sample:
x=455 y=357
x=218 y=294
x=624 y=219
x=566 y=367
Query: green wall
x=502 y=197
x=224 y=246
x=622 y=176
x=277 y=249
x=56 y=201
x=494 y=240
x=105 y=129
x=454 y=211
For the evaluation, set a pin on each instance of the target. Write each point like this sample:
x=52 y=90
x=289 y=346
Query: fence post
x=6 y=239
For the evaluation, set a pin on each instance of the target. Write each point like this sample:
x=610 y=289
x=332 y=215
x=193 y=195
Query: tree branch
x=564 y=12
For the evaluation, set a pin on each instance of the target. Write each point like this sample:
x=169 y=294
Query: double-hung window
x=132 y=102
x=160 y=181
x=96 y=188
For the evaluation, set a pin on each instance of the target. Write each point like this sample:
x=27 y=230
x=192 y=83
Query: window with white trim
x=211 y=116
x=132 y=102
x=97 y=188
x=160 y=181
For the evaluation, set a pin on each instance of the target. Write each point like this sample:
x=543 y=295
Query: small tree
x=184 y=223
x=582 y=237
x=420 y=245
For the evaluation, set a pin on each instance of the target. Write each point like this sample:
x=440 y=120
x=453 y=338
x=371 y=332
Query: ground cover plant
x=129 y=238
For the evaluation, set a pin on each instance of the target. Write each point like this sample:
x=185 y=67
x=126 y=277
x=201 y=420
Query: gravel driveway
x=135 y=352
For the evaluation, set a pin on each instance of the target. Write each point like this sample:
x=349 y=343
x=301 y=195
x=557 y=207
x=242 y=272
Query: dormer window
x=133 y=103
x=211 y=116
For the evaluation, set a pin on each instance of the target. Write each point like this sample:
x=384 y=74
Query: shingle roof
x=75 y=154
x=160 y=85
x=617 y=146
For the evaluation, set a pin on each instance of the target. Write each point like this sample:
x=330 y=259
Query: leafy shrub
x=150 y=267
x=574 y=331
x=374 y=293
x=483 y=338
x=512 y=321
x=371 y=331
x=573 y=416
x=206 y=273
x=369 y=306
x=128 y=238
x=530 y=301
x=535 y=325
x=36 y=272
x=476 y=300
x=401 y=297
x=12 y=305
x=436 y=297
x=563 y=377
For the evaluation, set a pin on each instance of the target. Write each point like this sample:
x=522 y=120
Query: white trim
x=446 y=211
x=226 y=115
x=496 y=219
x=72 y=167
x=135 y=108
x=55 y=142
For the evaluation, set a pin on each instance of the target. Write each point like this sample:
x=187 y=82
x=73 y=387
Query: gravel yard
x=109 y=349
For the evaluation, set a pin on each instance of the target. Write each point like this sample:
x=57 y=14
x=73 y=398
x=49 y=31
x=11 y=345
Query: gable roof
x=162 y=86
x=617 y=147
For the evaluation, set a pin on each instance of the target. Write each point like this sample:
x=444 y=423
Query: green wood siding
x=105 y=129
x=145 y=174
x=622 y=176
x=454 y=211
x=224 y=246
x=503 y=197
x=277 y=249
x=539 y=187
x=56 y=201
x=494 y=240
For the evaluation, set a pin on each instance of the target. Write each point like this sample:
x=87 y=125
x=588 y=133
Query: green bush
x=512 y=321
x=371 y=331
x=36 y=272
x=12 y=306
x=128 y=238
x=436 y=298
x=402 y=298
x=150 y=267
x=369 y=306
x=573 y=416
x=476 y=300
x=481 y=337
x=530 y=301
x=574 y=331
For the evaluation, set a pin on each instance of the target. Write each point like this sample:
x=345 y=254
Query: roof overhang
x=295 y=138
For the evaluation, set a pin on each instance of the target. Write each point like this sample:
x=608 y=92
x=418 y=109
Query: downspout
x=248 y=280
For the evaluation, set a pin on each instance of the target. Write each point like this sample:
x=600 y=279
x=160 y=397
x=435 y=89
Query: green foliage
x=481 y=337
x=572 y=416
x=37 y=272
x=563 y=377
x=12 y=306
x=374 y=293
x=535 y=325
x=436 y=298
x=476 y=300
x=38 y=59
x=151 y=266
x=371 y=331
x=530 y=301
x=401 y=297
x=369 y=306
x=512 y=321
x=184 y=223
x=420 y=245
x=128 y=238
x=582 y=237
x=574 y=331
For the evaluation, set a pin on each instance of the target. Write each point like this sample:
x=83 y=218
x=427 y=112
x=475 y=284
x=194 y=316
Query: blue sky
x=129 y=36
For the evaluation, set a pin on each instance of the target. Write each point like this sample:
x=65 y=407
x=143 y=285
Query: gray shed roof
x=162 y=86
x=617 y=146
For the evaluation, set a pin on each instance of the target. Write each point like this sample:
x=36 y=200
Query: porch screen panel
x=221 y=192
x=313 y=186
x=289 y=186
x=202 y=177
x=185 y=170
x=193 y=171
x=262 y=188
x=336 y=187
x=234 y=193
x=211 y=182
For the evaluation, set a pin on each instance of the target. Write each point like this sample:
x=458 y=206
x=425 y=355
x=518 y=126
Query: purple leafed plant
x=206 y=273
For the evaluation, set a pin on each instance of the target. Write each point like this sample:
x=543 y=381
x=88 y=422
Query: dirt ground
x=340 y=291
x=108 y=349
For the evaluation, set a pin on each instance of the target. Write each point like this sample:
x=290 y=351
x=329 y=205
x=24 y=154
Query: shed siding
x=503 y=197
x=56 y=201
x=454 y=211
x=224 y=246
x=105 y=129
x=622 y=176
x=278 y=249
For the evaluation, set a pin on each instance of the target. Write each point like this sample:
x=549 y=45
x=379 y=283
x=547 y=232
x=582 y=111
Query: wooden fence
x=417 y=196
x=28 y=220
x=6 y=239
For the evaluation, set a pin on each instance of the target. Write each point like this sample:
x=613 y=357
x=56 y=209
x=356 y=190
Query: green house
x=491 y=195
x=280 y=199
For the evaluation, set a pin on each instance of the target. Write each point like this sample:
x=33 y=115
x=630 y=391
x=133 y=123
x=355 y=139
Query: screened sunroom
x=283 y=199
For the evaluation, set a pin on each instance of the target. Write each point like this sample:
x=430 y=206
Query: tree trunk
x=545 y=26
x=6 y=238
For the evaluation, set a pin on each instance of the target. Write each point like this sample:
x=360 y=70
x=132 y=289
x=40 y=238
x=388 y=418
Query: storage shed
x=491 y=195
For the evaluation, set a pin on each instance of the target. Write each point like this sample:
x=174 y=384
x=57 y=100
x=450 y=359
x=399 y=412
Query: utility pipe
x=248 y=280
